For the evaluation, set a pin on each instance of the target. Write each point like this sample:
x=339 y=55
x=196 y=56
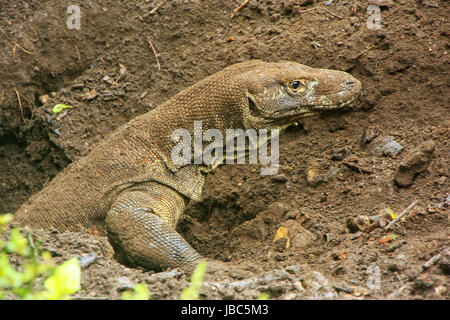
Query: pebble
x=340 y=155
x=423 y=283
x=431 y=262
x=385 y=146
x=343 y=287
x=432 y=4
x=87 y=259
x=293 y=269
x=440 y=290
x=44 y=99
x=312 y=173
x=123 y=283
x=395 y=246
x=281 y=178
x=292 y=214
x=356 y=236
x=415 y=162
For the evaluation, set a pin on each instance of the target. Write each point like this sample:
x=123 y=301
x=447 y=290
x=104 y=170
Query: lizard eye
x=295 y=84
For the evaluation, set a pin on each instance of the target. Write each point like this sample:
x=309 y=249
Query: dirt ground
x=340 y=173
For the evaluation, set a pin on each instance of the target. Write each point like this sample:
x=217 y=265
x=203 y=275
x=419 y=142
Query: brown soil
x=333 y=177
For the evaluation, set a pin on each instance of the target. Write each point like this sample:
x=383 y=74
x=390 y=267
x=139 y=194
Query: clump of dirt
x=338 y=183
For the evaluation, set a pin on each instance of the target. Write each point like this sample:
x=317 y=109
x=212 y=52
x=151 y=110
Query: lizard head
x=280 y=94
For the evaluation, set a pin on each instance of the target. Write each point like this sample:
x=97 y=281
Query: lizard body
x=129 y=189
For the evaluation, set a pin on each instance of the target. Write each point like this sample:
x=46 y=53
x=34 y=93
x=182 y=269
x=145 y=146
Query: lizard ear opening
x=252 y=107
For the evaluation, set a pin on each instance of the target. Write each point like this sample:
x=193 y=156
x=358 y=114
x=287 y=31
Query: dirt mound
x=340 y=174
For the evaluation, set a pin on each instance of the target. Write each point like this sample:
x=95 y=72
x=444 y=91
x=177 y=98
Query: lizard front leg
x=141 y=228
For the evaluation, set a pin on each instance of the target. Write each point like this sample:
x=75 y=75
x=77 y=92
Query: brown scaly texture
x=129 y=189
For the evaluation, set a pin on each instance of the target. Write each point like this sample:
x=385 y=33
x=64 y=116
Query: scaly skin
x=128 y=188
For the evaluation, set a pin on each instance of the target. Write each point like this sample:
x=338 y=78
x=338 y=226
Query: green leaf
x=64 y=281
x=18 y=243
x=5 y=219
x=9 y=277
x=193 y=291
x=60 y=107
x=139 y=292
x=264 y=296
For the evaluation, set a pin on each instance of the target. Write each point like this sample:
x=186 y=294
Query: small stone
x=343 y=287
x=293 y=269
x=280 y=178
x=340 y=155
x=300 y=237
x=87 y=259
x=395 y=246
x=292 y=214
x=385 y=146
x=91 y=94
x=363 y=222
x=123 y=283
x=414 y=162
x=312 y=173
x=432 y=4
x=440 y=290
x=44 y=99
x=356 y=235
x=431 y=262
x=281 y=256
x=276 y=289
x=274 y=17
x=441 y=180
x=107 y=79
x=423 y=283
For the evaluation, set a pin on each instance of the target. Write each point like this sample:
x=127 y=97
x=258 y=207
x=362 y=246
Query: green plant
x=34 y=269
x=192 y=292
x=264 y=296
x=139 y=292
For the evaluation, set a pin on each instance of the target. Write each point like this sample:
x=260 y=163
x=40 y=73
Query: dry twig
x=153 y=11
x=356 y=167
x=362 y=52
x=154 y=52
x=323 y=9
x=78 y=53
x=20 y=103
x=332 y=13
x=242 y=5
x=412 y=205
x=15 y=44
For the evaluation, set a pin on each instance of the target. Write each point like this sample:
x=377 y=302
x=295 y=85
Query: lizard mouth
x=286 y=114
x=295 y=113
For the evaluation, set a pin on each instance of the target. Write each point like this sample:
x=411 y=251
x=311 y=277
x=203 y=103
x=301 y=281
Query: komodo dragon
x=128 y=188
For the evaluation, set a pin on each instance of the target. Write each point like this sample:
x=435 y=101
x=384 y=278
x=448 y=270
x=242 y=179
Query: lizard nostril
x=350 y=83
